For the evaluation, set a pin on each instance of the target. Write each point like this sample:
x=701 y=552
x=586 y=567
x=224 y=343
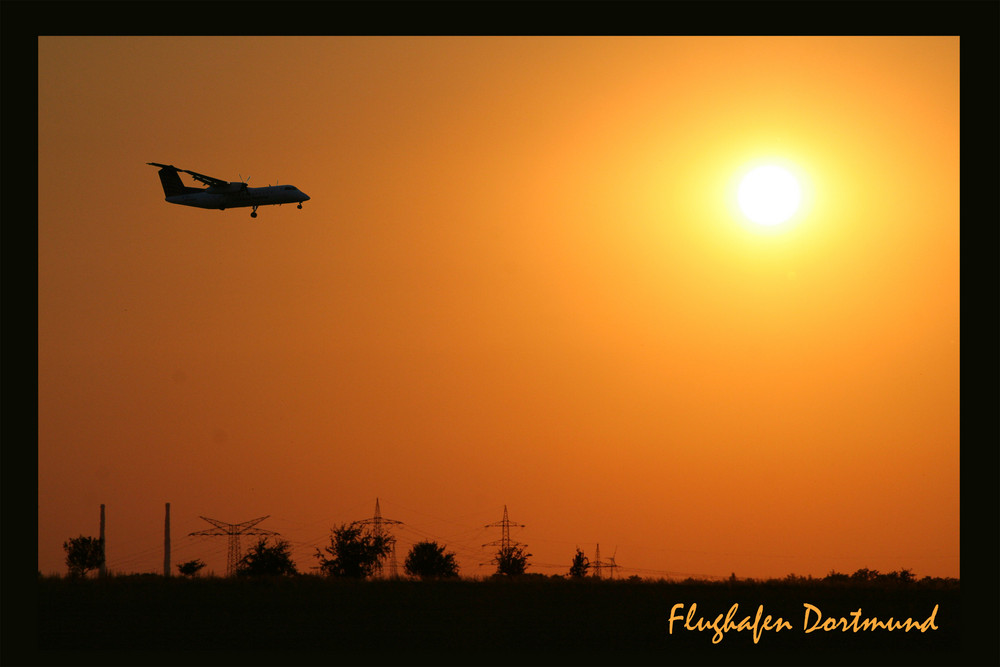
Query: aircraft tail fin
x=172 y=184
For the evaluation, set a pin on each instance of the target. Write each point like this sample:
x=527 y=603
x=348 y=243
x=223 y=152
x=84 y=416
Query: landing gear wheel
x=253 y=213
x=300 y=206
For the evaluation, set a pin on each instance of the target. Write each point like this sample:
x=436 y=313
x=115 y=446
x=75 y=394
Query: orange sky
x=519 y=281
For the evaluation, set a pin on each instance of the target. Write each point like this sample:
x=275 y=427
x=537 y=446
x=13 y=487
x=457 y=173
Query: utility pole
x=103 y=570
x=378 y=524
x=166 y=543
x=233 y=531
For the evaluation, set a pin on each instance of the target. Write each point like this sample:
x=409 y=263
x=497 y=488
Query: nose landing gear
x=300 y=205
x=253 y=213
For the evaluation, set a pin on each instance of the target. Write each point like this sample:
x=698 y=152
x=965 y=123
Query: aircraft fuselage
x=272 y=194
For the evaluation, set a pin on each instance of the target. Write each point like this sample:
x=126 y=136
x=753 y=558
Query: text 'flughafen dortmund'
x=813 y=621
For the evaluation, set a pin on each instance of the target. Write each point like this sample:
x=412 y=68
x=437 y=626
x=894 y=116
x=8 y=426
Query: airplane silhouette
x=222 y=194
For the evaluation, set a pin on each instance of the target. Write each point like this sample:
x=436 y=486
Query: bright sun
x=769 y=195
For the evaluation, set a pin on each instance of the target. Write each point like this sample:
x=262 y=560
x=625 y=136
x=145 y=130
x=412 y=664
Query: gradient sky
x=520 y=281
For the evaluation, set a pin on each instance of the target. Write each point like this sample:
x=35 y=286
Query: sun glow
x=769 y=195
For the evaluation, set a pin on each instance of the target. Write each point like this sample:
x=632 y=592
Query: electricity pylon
x=598 y=563
x=234 y=530
x=505 y=543
x=378 y=524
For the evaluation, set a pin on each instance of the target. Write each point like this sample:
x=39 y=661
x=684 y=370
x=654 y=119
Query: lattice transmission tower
x=505 y=543
x=378 y=525
x=234 y=531
x=600 y=564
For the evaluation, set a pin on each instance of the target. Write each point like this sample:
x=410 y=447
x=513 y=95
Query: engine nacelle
x=234 y=186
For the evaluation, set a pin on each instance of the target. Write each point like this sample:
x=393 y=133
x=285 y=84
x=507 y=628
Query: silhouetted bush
x=427 y=560
x=580 y=565
x=266 y=560
x=353 y=553
x=191 y=568
x=83 y=554
x=511 y=561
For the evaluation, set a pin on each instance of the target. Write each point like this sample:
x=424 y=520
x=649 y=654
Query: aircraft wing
x=207 y=180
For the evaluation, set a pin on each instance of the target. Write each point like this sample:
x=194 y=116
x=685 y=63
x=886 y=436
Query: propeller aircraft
x=222 y=194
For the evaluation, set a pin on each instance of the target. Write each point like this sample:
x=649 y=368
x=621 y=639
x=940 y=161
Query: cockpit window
x=289 y=187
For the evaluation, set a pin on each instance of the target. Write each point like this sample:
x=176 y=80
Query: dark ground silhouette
x=552 y=618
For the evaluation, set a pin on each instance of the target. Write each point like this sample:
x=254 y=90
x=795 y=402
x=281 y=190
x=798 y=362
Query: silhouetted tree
x=427 y=560
x=511 y=561
x=265 y=560
x=190 y=568
x=580 y=564
x=353 y=553
x=83 y=554
x=864 y=574
x=895 y=577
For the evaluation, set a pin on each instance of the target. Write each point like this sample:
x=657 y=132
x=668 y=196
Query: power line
x=233 y=531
